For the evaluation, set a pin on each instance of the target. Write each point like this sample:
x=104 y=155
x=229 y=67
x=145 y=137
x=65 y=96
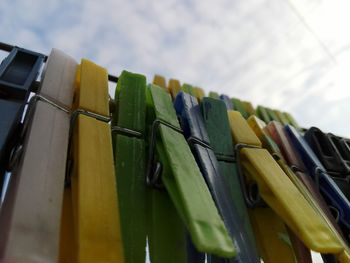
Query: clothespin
x=270 y=231
x=217 y=126
x=291 y=120
x=263 y=114
x=174 y=87
x=272 y=114
x=214 y=95
x=343 y=147
x=227 y=101
x=160 y=81
x=189 y=111
x=328 y=188
x=18 y=72
x=188 y=89
x=238 y=106
x=167 y=236
x=270 y=179
x=128 y=133
x=30 y=218
x=281 y=117
x=199 y=93
x=326 y=151
x=302 y=253
x=248 y=108
x=189 y=193
x=96 y=235
x=278 y=133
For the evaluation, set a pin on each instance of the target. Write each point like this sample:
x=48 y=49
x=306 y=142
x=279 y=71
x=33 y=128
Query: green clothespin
x=272 y=114
x=128 y=128
x=188 y=89
x=238 y=106
x=182 y=179
x=262 y=114
x=218 y=128
x=291 y=120
x=214 y=95
x=282 y=118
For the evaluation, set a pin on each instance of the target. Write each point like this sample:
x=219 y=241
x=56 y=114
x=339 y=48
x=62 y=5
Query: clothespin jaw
x=343 y=147
x=227 y=101
x=214 y=95
x=238 y=106
x=258 y=126
x=174 y=87
x=326 y=151
x=18 y=72
x=188 y=89
x=281 y=117
x=263 y=114
x=159 y=81
x=199 y=93
x=248 y=108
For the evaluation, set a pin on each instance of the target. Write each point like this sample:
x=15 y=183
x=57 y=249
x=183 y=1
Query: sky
x=293 y=55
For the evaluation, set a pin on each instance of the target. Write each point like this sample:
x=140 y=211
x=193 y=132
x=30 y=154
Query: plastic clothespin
x=323 y=146
x=94 y=218
x=343 y=147
x=302 y=253
x=189 y=193
x=262 y=113
x=270 y=231
x=291 y=120
x=248 y=108
x=128 y=134
x=36 y=186
x=214 y=95
x=174 y=87
x=278 y=133
x=272 y=114
x=199 y=93
x=270 y=178
x=328 y=188
x=189 y=112
x=188 y=89
x=216 y=123
x=160 y=81
x=227 y=101
x=238 y=106
x=281 y=117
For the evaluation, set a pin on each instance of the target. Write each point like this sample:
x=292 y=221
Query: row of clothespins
x=186 y=177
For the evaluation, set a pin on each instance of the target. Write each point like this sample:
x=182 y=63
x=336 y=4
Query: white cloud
x=292 y=55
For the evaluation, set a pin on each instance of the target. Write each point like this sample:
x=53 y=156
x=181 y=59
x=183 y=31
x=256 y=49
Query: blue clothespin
x=193 y=126
x=227 y=101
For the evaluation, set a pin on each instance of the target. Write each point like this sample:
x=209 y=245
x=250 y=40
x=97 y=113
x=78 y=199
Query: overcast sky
x=291 y=55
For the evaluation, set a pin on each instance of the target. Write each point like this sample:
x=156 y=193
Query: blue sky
x=291 y=55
